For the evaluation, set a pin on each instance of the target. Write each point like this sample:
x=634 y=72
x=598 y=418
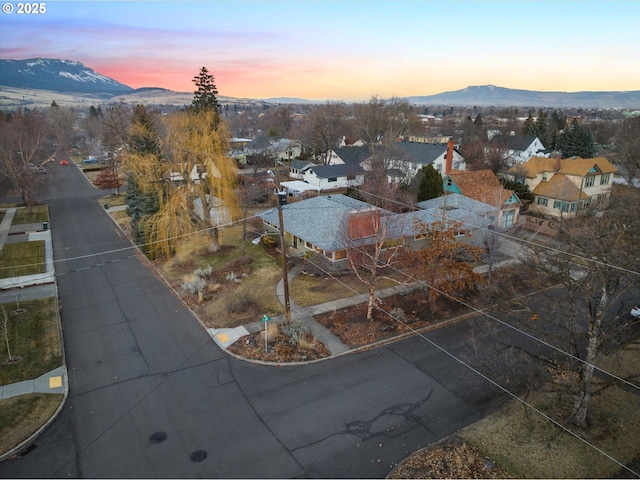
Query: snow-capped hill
x=58 y=76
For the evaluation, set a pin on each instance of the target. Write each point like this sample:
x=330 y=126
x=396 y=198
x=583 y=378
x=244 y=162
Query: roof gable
x=561 y=188
x=353 y=154
x=481 y=185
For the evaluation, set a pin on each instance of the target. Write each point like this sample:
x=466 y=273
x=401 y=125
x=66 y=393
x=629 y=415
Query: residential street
x=151 y=394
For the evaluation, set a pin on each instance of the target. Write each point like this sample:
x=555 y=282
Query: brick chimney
x=448 y=159
x=558 y=158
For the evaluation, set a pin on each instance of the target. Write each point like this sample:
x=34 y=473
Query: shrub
x=295 y=330
x=239 y=303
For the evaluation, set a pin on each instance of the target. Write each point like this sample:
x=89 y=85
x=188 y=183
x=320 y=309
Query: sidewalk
x=226 y=336
x=30 y=287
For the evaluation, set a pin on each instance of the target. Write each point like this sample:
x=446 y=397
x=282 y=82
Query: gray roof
x=300 y=164
x=424 y=153
x=458 y=208
x=329 y=171
x=512 y=142
x=355 y=155
x=321 y=220
x=318 y=220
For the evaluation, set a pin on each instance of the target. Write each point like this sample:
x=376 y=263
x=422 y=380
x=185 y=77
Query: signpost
x=265 y=319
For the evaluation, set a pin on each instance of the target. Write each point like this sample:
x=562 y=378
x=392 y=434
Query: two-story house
x=409 y=157
x=516 y=149
x=562 y=186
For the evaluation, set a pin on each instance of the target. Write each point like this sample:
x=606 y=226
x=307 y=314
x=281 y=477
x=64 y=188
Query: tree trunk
x=214 y=245
x=583 y=398
x=372 y=300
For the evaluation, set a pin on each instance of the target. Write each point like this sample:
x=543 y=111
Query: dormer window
x=544 y=176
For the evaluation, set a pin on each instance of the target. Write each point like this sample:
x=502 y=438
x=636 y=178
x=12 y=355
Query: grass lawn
x=21 y=417
x=113 y=200
x=307 y=290
x=38 y=214
x=22 y=258
x=529 y=446
x=34 y=338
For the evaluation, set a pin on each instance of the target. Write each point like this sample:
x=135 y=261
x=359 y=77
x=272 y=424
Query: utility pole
x=282 y=199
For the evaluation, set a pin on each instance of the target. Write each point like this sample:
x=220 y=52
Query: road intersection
x=151 y=395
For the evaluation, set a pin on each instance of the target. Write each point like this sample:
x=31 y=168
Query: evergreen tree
x=529 y=126
x=204 y=98
x=577 y=140
x=542 y=128
x=141 y=164
x=430 y=185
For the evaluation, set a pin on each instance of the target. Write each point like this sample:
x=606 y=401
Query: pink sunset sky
x=334 y=50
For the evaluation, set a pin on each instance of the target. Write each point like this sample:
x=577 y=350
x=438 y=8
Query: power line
x=490 y=380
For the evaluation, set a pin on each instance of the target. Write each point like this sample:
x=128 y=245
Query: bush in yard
x=295 y=329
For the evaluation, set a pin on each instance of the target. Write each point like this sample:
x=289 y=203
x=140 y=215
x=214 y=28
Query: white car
x=635 y=311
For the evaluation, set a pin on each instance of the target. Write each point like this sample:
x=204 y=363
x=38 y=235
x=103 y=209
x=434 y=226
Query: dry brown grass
x=527 y=445
x=307 y=290
x=21 y=417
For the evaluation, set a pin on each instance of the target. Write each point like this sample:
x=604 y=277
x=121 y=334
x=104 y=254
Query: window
x=332 y=179
x=544 y=176
x=562 y=206
x=507 y=218
x=543 y=201
x=604 y=179
x=589 y=181
x=449 y=182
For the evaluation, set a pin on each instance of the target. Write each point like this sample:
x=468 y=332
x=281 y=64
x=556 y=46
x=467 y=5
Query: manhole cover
x=158 y=437
x=198 y=456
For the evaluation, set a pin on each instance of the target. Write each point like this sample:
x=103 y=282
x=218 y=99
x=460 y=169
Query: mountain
x=59 y=76
x=490 y=95
x=35 y=82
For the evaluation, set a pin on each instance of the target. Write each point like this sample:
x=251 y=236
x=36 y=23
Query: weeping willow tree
x=199 y=194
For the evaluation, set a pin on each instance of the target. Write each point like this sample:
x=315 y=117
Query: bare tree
x=599 y=277
x=22 y=152
x=373 y=246
x=382 y=121
x=323 y=128
x=628 y=150
x=445 y=264
x=4 y=326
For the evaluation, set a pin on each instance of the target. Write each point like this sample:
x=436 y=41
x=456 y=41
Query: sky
x=338 y=50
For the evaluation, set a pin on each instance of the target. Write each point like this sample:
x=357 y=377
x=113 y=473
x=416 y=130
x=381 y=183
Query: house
x=351 y=142
x=562 y=186
x=319 y=224
x=484 y=186
x=219 y=213
x=475 y=217
x=410 y=157
x=331 y=225
x=329 y=177
x=297 y=168
x=348 y=155
x=516 y=149
x=196 y=173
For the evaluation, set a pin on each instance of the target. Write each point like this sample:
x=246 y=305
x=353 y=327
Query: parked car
x=64 y=162
x=635 y=311
x=90 y=160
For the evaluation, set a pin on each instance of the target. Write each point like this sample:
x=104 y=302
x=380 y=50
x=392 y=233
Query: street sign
x=265 y=318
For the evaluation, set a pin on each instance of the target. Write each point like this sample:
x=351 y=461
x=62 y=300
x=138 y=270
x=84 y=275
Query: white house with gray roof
x=329 y=177
x=324 y=224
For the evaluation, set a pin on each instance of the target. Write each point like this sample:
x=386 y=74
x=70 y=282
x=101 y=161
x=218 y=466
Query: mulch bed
x=279 y=349
x=393 y=316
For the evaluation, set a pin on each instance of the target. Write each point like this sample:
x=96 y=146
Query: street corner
x=226 y=336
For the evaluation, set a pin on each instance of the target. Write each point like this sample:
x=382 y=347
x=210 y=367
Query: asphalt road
x=151 y=395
